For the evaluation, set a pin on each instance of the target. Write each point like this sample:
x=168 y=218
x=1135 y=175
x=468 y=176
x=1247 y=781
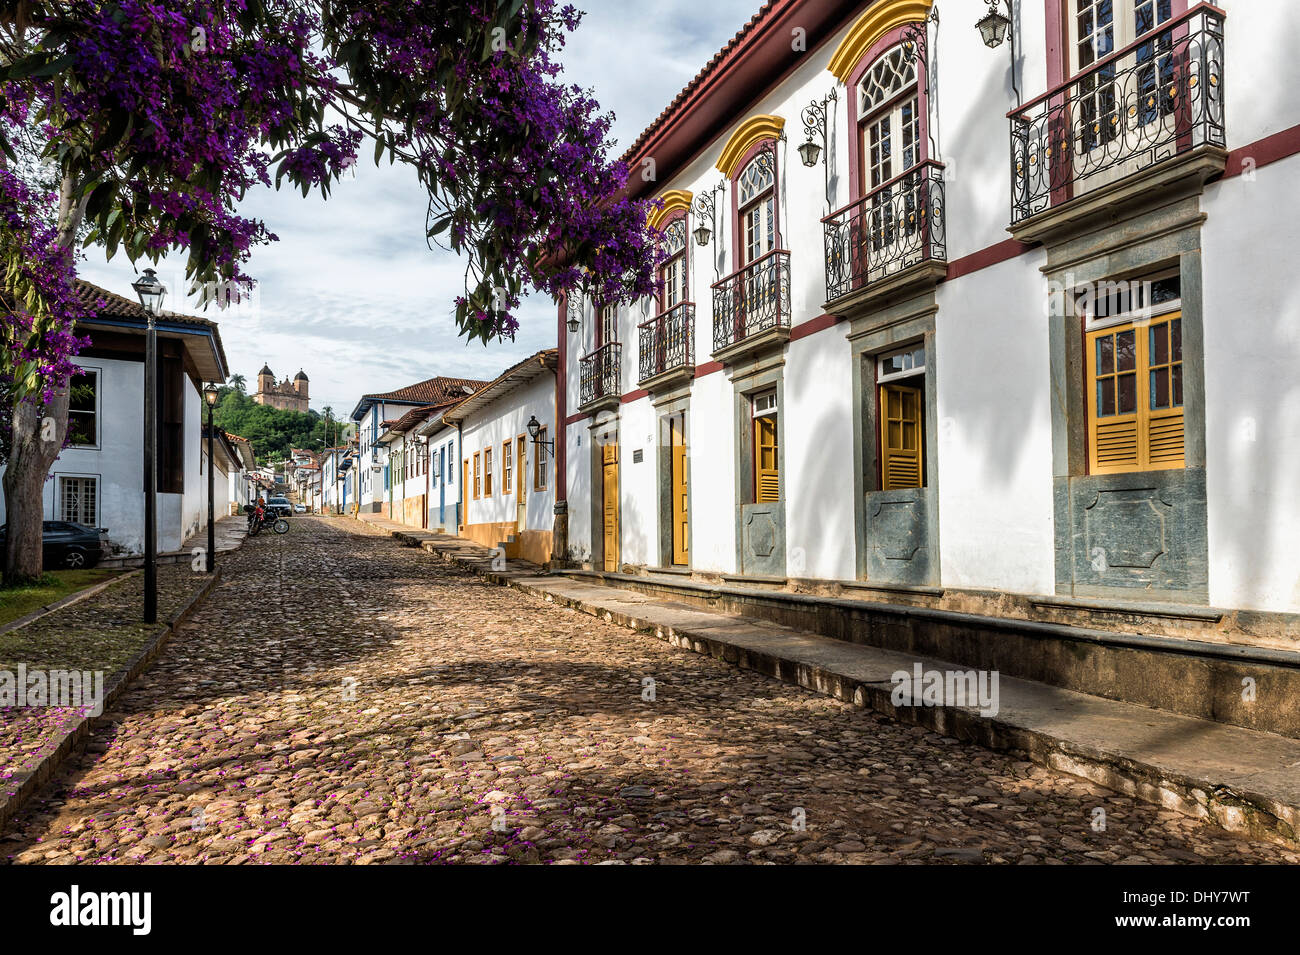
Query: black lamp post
x=151 y=293
x=210 y=394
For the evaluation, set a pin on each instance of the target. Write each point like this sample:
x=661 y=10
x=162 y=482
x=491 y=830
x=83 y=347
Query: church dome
x=300 y=376
x=266 y=370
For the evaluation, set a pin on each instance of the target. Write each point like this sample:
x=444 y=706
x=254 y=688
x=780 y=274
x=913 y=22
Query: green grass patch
x=16 y=602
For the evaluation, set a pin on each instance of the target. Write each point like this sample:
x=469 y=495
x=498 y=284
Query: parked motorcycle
x=260 y=516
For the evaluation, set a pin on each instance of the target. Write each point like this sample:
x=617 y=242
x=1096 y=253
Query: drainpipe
x=462 y=505
x=560 y=531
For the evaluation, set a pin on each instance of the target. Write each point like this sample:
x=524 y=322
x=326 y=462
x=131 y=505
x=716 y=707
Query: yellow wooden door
x=767 y=478
x=609 y=484
x=681 y=541
x=900 y=437
x=521 y=484
x=464 y=492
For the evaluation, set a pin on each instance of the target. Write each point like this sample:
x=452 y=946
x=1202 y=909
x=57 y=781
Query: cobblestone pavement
x=341 y=698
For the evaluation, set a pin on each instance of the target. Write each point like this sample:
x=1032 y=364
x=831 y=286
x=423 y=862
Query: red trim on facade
x=1264 y=151
x=635 y=395
x=707 y=368
x=984 y=258
x=812 y=326
x=574 y=419
x=561 y=404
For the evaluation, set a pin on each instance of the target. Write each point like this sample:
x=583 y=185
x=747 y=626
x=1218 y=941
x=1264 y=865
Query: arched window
x=673 y=270
x=889 y=127
x=756 y=203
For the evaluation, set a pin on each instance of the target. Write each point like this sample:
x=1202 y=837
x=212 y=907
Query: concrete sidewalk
x=1243 y=780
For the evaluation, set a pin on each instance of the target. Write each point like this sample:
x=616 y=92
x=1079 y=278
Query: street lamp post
x=210 y=393
x=151 y=292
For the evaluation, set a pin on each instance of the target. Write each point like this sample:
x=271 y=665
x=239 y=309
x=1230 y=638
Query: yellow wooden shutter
x=1164 y=402
x=767 y=478
x=1135 y=425
x=900 y=437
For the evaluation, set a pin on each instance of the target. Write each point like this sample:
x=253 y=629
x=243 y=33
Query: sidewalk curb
x=20 y=787
x=1234 y=808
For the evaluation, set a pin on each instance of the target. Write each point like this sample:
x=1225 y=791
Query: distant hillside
x=272 y=431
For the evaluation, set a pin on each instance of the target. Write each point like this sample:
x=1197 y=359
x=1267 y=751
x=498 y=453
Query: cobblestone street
x=340 y=698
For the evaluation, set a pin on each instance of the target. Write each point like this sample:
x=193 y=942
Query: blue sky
x=352 y=295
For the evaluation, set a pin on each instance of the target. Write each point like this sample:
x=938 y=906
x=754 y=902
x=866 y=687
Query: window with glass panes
x=83 y=417
x=756 y=199
x=673 y=271
x=890 y=141
x=1134 y=369
x=1097 y=28
x=608 y=325
x=78 y=500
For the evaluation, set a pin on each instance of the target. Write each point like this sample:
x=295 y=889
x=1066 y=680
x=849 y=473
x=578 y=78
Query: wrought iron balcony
x=754 y=301
x=599 y=376
x=1133 y=109
x=667 y=343
x=897 y=225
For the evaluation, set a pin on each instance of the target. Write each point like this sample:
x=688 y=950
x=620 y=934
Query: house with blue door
x=444 y=500
x=374 y=415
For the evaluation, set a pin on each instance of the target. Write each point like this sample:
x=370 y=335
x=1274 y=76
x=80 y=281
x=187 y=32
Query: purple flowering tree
x=152 y=119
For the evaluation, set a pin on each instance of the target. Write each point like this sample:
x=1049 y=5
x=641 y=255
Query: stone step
x=1244 y=780
x=1197 y=678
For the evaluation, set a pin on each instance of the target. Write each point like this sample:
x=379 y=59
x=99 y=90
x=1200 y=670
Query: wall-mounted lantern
x=573 y=307
x=817 y=117
x=706 y=205
x=535 y=429
x=995 y=27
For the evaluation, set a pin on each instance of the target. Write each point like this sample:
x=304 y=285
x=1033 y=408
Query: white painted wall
x=118 y=463
x=1252 y=390
x=991 y=351
x=505 y=419
x=994 y=430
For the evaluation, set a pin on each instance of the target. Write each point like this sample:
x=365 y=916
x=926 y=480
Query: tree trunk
x=37 y=439
x=38 y=434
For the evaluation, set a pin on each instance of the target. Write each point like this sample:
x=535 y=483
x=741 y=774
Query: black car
x=66 y=545
x=280 y=506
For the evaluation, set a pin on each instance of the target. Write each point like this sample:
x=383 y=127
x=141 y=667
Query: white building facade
x=98 y=480
x=506 y=472
x=374 y=414
x=1010 y=328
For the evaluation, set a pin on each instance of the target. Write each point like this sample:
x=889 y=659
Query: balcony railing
x=599 y=374
x=1157 y=98
x=667 y=341
x=897 y=225
x=753 y=300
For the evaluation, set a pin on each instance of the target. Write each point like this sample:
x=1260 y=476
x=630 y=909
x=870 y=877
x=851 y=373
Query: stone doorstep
x=20 y=787
x=1242 y=780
